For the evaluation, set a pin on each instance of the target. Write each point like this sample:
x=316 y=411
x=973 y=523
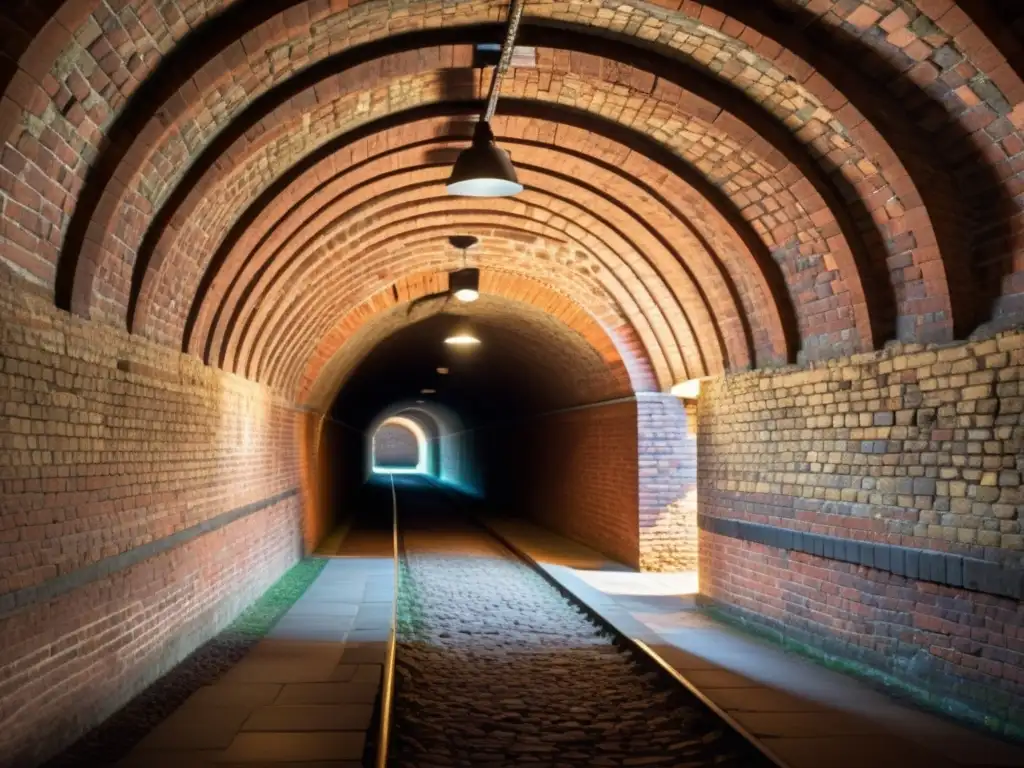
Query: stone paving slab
x=807 y=715
x=304 y=717
x=198 y=728
x=329 y=693
x=282 y=746
x=305 y=694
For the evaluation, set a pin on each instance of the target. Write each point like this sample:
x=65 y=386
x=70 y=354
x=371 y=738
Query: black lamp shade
x=483 y=169
x=464 y=284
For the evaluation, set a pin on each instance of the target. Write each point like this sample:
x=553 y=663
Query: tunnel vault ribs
x=214 y=214
x=496 y=668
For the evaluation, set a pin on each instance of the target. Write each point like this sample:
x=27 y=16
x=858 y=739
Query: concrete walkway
x=305 y=694
x=807 y=715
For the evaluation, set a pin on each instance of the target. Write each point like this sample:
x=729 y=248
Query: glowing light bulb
x=462 y=340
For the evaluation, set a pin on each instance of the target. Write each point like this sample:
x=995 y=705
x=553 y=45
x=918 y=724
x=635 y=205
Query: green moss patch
x=888 y=683
x=116 y=736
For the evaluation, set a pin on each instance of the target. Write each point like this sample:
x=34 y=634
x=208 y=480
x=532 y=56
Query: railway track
x=495 y=666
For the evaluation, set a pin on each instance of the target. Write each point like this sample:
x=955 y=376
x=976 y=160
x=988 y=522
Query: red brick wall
x=67 y=663
x=574 y=471
x=145 y=500
x=911 y=454
x=964 y=645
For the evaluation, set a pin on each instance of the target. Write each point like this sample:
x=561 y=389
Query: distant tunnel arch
x=400 y=445
x=425 y=438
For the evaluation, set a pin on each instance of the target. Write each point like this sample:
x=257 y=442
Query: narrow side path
x=304 y=695
x=808 y=715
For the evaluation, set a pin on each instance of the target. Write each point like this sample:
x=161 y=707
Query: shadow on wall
x=619 y=477
x=339 y=471
x=573 y=471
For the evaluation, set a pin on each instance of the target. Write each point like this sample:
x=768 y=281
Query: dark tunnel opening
x=532 y=420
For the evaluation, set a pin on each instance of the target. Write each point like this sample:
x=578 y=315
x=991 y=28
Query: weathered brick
x=136 y=444
x=938 y=489
x=690 y=273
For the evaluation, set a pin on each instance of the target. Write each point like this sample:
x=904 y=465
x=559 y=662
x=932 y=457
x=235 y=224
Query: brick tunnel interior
x=756 y=314
x=533 y=418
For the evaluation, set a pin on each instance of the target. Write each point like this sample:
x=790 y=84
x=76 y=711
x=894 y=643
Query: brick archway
x=212 y=214
x=399 y=444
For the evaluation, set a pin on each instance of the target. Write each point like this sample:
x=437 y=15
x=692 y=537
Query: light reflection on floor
x=640 y=584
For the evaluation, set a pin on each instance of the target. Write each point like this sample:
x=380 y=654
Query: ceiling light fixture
x=442 y=371
x=484 y=169
x=428 y=391
x=464 y=283
x=462 y=339
x=687 y=390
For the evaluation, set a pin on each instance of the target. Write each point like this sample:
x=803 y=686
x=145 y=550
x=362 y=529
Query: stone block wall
x=667 y=454
x=145 y=500
x=871 y=507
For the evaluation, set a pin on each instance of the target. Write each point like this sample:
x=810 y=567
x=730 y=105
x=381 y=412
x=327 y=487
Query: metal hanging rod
x=515 y=14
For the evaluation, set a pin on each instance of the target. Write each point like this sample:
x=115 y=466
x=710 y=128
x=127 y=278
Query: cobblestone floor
x=496 y=668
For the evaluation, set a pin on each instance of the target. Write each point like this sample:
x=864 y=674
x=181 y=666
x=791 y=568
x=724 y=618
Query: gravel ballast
x=497 y=668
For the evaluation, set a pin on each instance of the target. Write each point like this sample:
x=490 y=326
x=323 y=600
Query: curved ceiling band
x=248 y=245
x=365 y=211
x=915 y=207
x=354 y=246
x=247 y=356
x=626 y=372
x=418 y=114
x=137 y=272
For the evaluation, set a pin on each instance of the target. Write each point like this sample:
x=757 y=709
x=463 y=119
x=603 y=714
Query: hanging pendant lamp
x=464 y=283
x=484 y=169
x=462 y=337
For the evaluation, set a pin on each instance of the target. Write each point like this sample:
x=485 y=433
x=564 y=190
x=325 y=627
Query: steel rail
x=387 y=697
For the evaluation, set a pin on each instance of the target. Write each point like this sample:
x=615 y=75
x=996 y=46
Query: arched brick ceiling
x=531 y=357
x=714 y=185
x=600 y=360
x=659 y=228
